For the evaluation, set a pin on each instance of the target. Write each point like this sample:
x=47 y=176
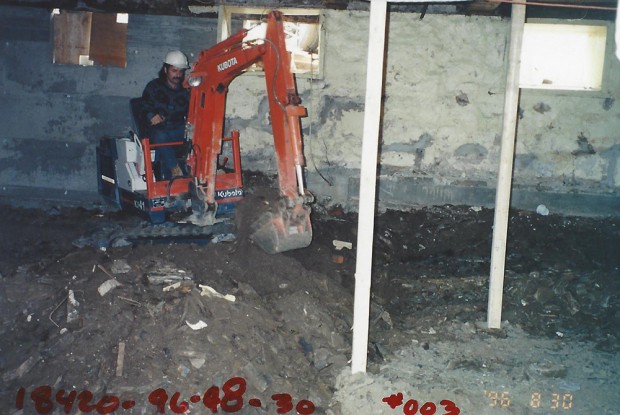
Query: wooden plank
x=504 y=179
x=120 y=359
x=108 y=41
x=71 y=36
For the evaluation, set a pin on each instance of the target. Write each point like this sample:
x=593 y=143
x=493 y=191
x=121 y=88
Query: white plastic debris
x=197 y=363
x=72 y=300
x=107 y=286
x=542 y=210
x=210 y=292
x=72 y=307
x=197 y=326
x=342 y=244
x=172 y=286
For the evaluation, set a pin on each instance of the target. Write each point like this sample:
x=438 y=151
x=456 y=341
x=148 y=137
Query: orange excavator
x=210 y=189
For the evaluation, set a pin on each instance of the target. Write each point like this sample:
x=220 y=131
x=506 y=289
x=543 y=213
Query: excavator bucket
x=283 y=230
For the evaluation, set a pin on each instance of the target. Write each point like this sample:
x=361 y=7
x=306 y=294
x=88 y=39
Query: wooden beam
x=504 y=179
x=368 y=183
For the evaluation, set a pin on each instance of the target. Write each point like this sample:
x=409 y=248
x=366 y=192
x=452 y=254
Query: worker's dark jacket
x=172 y=104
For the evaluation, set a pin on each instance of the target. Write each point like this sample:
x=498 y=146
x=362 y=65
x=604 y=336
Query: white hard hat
x=177 y=59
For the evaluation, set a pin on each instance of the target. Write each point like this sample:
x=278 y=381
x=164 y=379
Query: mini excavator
x=210 y=190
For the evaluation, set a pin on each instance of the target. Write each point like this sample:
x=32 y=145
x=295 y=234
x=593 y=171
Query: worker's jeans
x=167 y=154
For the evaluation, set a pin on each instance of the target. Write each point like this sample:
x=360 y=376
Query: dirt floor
x=246 y=332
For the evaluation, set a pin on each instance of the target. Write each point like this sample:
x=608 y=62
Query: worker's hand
x=156 y=119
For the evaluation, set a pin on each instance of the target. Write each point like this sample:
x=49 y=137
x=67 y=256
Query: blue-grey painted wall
x=51 y=116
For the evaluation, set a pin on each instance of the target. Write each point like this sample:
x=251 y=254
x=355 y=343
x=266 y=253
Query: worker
x=165 y=102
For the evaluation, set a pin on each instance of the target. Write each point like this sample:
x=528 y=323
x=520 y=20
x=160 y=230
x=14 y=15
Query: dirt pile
x=168 y=322
x=185 y=317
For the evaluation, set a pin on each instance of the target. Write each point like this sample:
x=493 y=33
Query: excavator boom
x=287 y=225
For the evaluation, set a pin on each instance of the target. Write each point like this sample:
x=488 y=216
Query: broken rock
x=120 y=266
x=108 y=286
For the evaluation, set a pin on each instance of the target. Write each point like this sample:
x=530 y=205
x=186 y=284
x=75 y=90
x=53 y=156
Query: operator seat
x=139 y=118
x=140 y=126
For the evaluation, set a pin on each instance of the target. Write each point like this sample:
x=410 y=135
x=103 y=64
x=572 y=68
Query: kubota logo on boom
x=226 y=64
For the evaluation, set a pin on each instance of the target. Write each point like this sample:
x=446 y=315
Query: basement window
x=563 y=57
x=302 y=28
x=86 y=38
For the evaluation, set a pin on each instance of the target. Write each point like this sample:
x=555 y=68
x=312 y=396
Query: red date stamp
x=413 y=407
x=229 y=399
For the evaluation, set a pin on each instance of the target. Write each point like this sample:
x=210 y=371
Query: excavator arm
x=287 y=226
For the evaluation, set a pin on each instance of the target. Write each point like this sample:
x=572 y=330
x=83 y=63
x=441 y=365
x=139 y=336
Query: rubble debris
x=339 y=245
x=22 y=369
x=168 y=275
x=72 y=308
x=120 y=359
x=210 y=292
x=108 y=286
x=120 y=266
x=183 y=286
x=197 y=363
x=197 y=326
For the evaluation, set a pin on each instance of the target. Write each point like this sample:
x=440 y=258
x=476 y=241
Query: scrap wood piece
x=120 y=359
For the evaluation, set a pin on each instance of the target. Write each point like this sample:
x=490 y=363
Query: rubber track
x=179 y=233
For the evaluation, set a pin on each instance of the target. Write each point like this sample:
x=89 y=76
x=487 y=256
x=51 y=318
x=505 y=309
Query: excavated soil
x=228 y=327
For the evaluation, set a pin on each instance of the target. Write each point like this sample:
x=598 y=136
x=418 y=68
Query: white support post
x=368 y=183
x=504 y=179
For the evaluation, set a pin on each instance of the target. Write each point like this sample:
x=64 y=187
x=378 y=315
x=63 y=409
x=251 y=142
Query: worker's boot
x=176 y=171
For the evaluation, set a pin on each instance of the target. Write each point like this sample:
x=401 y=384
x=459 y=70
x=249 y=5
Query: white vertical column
x=504 y=179
x=368 y=184
x=617 y=31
